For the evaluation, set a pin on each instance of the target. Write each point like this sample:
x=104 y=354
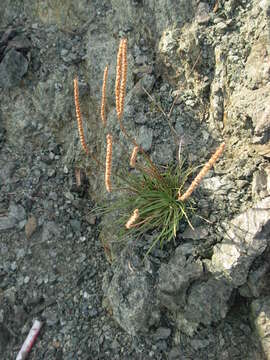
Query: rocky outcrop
x=245 y=239
x=261 y=319
x=175 y=279
x=14 y=49
x=206 y=68
x=186 y=289
x=196 y=294
x=131 y=294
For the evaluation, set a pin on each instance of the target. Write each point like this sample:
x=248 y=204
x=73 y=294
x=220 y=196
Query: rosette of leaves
x=154 y=192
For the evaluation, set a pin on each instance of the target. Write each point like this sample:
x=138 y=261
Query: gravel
x=52 y=262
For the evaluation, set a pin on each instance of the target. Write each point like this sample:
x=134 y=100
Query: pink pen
x=29 y=341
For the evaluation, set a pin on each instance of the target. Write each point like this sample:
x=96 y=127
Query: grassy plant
x=153 y=194
x=151 y=197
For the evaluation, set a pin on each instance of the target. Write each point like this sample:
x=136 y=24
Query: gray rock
x=76 y=225
x=243 y=105
x=260 y=315
x=140 y=59
x=264 y=5
x=15 y=216
x=207 y=302
x=20 y=253
x=12 y=69
x=7 y=223
x=64 y=52
x=199 y=344
x=50 y=231
x=53 y=196
x=217 y=185
x=221 y=27
x=156 y=11
x=5 y=337
x=51 y=317
x=19 y=42
x=140 y=118
x=148 y=82
x=259 y=185
x=93 y=313
x=20 y=315
x=13 y=266
x=267 y=171
x=2 y=134
x=161 y=345
x=46 y=106
x=258 y=63
x=262 y=124
x=162 y=333
x=175 y=279
x=163 y=154
x=22 y=224
x=199 y=232
x=257 y=281
x=217 y=88
x=17 y=212
x=10 y=295
x=245 y=239
x=202 y=14
x=175 y=354
x=131 y=295
x=145 y=138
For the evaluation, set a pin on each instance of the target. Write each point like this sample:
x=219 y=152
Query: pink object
x=29 y=341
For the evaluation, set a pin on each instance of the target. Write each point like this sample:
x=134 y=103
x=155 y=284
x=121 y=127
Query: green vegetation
x=154 y=192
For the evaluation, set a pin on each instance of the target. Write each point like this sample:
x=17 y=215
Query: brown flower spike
x=103 y=97
x=118 y=77
x=133 y=157
x=108 y=163
x=79 y=116
x=202 y=173
x=121 y=77
x=132 y=219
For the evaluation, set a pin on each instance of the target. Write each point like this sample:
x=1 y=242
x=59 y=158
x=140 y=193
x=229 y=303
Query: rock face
x=15 y=215
x=198 y=73
x=4 y=338
x=131 y=295
x=14 y=64
x=260 y=114
x=12 y=68
x=194 y=295
x=261 y=318
x=246 y=238
x=261 y=183
x=258 y=63
x=186 y=289
x=258 y=280
x=175 y=279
